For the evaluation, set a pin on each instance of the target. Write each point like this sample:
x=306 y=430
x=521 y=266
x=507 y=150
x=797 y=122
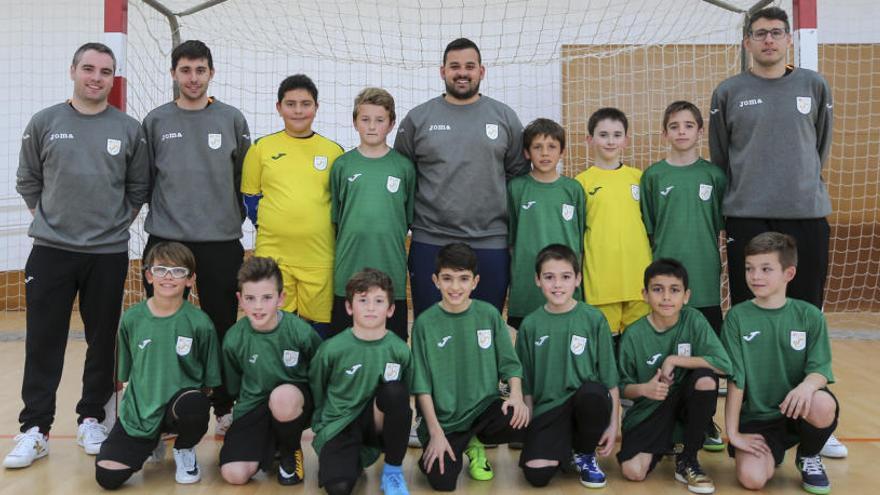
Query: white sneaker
x=90 y=435
x=30 y=446
x=187 y=466
x=834 y=449
x=158 y=454
x=414 y=441
x=223 y=424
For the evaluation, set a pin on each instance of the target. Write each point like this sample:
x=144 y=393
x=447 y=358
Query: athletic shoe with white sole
x=187 y=466
x=90 y=435
x=834 y=449
x=29 y=446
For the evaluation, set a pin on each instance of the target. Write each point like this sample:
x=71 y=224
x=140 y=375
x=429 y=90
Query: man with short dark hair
x=83 y=174
x=465 y=146
x=198 y=147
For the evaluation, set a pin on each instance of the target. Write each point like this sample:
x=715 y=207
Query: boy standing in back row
x=286 y=187
x=681 y=200
x=615 y=243
x=544 y=208
x=372 y=188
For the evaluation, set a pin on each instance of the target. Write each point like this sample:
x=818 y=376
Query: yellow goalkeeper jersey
x=615 y=242
x=293 y=175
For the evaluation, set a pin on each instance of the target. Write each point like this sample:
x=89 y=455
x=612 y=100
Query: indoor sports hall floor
x=67 y=470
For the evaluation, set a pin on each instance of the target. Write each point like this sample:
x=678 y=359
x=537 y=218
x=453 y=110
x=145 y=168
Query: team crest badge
x=484 y=338
x=578 y=344
x=634 y=189
x=290 y=358
x=684 y=349
x=804 y=104
x=184 y=345
x=567 y=212
x=114 y=146
x=215 y=141
x=320 y=163
x=798 y=340
x=492 y=131
x=392 y=184
x=392 y=372
x=705 y=192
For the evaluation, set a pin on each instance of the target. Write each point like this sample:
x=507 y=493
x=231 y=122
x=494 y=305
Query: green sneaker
x=478 y=467
x=713 y=442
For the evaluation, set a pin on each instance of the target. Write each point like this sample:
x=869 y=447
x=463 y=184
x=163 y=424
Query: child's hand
x=437 y=446
x=797 y=403
x=656 y=389
x=750 y=442
x=606 y=442
x=520 y=417
x=667 y=370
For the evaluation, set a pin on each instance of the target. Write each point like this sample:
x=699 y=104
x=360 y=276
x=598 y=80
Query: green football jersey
x=681 y=208
x=459 y=359
x=560 y=352
x=772 y=351
x=643 y=349
x=345 y=375
x=372 y=207
x=159 y=356
x=256 y=362
x=540 y=214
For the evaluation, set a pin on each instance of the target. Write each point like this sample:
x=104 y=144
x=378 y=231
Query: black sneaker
x=690 y=472
x=291 y=470
x=813 y=477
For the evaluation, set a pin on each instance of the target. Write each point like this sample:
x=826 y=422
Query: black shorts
x=714 y=316
x=780 y=434
x=340 y=457
x=398 y=323
x=251 y=438
x=551 y=435
x=655 y=435
x=134 y=451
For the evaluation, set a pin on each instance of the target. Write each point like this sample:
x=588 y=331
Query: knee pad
x=393 y=396
x=111 y=479
x=539 y=477
x=339 y=487
x=192 y=405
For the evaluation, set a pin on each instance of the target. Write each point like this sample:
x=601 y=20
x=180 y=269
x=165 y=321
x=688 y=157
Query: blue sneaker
x=813 y=477
x=591 y=474
x=393 y=482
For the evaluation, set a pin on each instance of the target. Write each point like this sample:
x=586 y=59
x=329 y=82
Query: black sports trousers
x=217 y=265
x=812 y=236
x=53 y=278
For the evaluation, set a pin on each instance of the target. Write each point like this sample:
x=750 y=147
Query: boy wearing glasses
x=770 y=131
x=169 y=355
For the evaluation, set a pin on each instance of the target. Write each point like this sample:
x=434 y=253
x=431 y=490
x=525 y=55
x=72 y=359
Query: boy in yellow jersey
x=615 y=242
x=287 y=175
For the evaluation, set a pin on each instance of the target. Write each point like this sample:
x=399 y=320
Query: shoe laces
x=693 y=466
x=25 y=442
x=393 y=481
x=586 y=461
x=833 y=441
x=93 y=432
x=812 y=465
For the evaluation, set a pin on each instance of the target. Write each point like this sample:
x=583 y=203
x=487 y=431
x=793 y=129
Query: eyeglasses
x=175 y=271
x=761 y=34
